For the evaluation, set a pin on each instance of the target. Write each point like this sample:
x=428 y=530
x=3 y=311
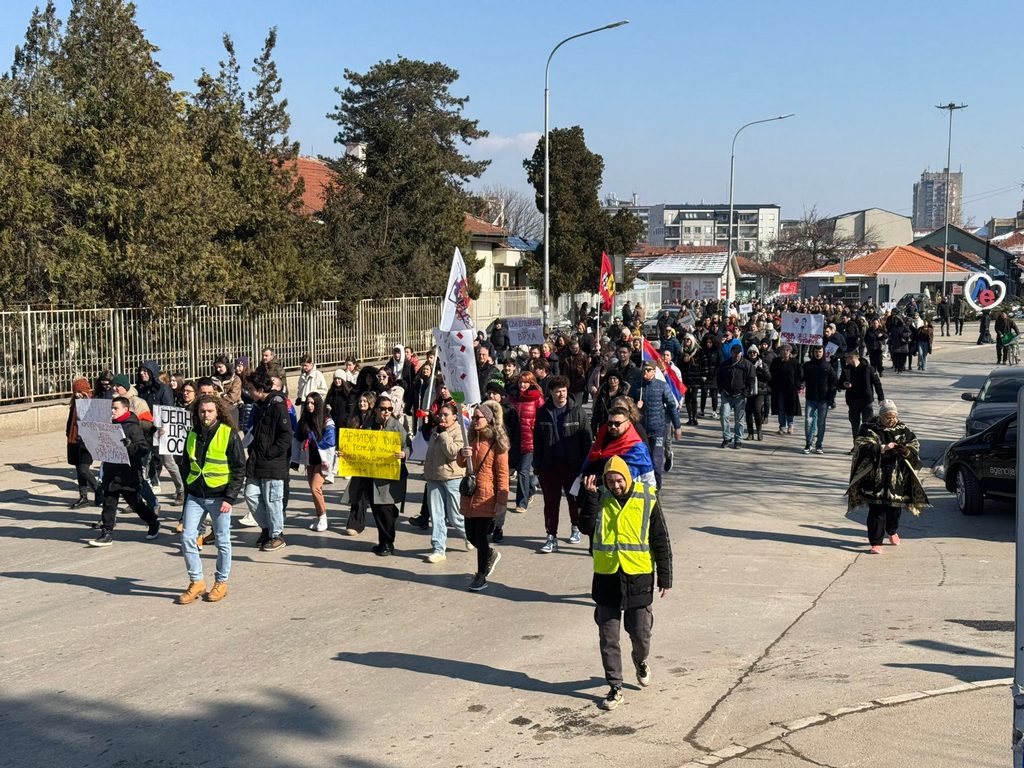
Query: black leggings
x=704 y=392
x=755 y=414
x=477 y=529
x=690 y=398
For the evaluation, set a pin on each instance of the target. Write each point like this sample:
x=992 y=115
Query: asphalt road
x=325 y=655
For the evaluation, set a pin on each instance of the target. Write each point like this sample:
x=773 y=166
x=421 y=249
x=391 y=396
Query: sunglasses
x=385 y=410
x=616 y=423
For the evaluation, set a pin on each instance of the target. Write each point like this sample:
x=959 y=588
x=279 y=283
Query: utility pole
x=951 y=107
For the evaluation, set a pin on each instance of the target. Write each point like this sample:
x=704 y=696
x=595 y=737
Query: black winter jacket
x=621 y=589
x=820 y=380
x=575 y=435
x=736 y=377
x=271 y=439
x=128 y=475
x=864 y=383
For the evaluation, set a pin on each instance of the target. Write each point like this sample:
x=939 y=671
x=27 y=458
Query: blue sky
x=660 y=98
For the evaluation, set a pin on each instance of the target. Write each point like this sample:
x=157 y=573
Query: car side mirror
x=969 y=397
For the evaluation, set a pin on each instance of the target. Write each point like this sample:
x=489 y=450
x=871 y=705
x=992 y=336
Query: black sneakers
x=497 y=536
x=83 y=501
x=479 y=583
x=105 y=539
x=613 y=699
x=492 y=560
x=154 y=530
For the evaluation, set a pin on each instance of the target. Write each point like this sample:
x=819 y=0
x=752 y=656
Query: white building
x=693 y=275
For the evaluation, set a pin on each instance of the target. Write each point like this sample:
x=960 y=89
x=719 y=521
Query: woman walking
x=388 y=494
x=925 y=335
x=526 y=400
x=315 y=444
x=78 y=455
x=488 y=450
x=886 y=457
x=359 y=488
x=442 y=472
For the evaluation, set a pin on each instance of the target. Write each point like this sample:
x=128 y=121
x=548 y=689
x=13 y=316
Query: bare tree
x=513 y=209
x=814 y=242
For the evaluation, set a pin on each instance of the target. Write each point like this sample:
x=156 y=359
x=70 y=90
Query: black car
x=983 y=465
x=997 y=398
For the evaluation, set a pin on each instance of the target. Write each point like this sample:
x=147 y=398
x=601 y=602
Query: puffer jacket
x=659 y=406
x=443 y=449
x=271 y=439
x=526 y=405
x=491 y=480
x=561 y=443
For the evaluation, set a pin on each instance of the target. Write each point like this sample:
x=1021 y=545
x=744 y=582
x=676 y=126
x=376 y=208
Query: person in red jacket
x=526 y=400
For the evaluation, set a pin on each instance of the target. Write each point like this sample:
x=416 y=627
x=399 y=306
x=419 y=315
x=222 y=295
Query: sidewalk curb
x=778 y=731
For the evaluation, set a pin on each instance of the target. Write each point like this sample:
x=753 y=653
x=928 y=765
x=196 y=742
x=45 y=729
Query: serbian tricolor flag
x=607 y=283
x=663 y=372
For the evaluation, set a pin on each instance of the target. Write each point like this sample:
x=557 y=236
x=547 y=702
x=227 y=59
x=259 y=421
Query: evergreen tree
x=394 y=221
x=579 y=229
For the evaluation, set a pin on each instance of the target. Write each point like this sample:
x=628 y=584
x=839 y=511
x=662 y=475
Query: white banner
x=800 y=328
x=104 y=441
x=525 y=330
x=172 y=428
x=93 y=409
x=746 y=309
x=455 y=311
x=458 y=364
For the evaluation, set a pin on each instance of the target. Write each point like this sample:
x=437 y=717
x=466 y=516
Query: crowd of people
x=588 y=415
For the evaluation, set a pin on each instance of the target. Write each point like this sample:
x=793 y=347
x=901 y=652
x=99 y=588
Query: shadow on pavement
x=470 y=672
x=68 y=729
x=967 y=673
x=785 y=538
x=959 y=650
x=119 y=585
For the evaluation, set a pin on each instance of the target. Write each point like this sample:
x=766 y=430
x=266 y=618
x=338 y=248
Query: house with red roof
x=316 y=177
x=505 y=259
x=883 y=276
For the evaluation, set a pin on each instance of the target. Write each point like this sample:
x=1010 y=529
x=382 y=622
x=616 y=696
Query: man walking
x=267 y=468
x=629 y=541
x=735 y=382
x=658 y=409
x=214 y=461
x=123 y=480
x=945 y=314
x=561 y=442
x=861 y=383
x=820 y=385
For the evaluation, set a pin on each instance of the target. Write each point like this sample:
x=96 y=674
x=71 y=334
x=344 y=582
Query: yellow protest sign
x=369 y=453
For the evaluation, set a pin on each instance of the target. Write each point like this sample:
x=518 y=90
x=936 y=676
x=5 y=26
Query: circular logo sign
x=982 y=291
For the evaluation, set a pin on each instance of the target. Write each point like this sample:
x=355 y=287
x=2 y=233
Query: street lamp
x=951 y=107
x=547 y=165
x=732 y=180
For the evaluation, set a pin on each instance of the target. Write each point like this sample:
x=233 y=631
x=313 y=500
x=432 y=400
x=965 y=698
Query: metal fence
x=43 y=350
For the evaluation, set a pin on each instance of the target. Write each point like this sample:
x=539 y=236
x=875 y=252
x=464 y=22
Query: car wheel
x=968 y=492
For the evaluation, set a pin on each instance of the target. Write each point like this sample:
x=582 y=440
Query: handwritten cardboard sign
x=369 y=453
x=172 y=428
x=93 y=409
x=525 y=330
x=103 y=440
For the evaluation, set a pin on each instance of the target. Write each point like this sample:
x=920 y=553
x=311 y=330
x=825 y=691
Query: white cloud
x=521 y=142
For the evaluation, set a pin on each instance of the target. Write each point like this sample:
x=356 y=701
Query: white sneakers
x=248 y=521
x=320 y=524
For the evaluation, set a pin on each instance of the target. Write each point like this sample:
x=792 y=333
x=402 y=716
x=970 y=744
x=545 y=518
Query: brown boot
x=194 y=592
x=219 y=592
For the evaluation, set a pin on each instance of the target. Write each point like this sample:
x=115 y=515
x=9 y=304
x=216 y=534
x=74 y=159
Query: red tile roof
x=477 y=226
x=1011 y=241
x=316 y=178
x=902 y=259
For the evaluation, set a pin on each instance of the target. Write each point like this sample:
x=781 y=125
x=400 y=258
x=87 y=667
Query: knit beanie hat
x=617 y=465
x=121 y=381
x=886 y=406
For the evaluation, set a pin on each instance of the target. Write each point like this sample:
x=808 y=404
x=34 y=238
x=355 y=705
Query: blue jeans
x=785 y=418
x=265 y=499
x=922 y=355
x=732 y=411
x=195 y=510
x=814 y=420
x=443 y=500
x=527 y=483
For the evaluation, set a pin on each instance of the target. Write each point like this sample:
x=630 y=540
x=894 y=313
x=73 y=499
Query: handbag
x=467 y=486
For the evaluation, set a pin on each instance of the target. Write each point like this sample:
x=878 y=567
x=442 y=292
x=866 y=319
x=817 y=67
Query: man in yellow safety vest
x=213 y=464
x=629 y=542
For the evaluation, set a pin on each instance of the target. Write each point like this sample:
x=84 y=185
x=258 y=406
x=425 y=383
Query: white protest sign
x=93 y=409
x=104 y=441
x=800 y=328
x=746 y=309
x=172 y=428
x=525 y=330
x=458 y=364
x=831 y=348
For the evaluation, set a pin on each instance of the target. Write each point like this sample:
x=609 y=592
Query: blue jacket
x=658 y=402
x=727 y=346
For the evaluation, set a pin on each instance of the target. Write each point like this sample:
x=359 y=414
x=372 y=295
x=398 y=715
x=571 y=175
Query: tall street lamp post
x=547 y=165
x=951 y=107
x=732 y=180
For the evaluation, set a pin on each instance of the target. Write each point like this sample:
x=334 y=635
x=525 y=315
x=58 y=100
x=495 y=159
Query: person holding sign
x=213 y=464
x=387 y=494
x=123 y=480
x=78 y=454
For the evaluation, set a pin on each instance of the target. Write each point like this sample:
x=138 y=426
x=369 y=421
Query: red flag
x=607 y=283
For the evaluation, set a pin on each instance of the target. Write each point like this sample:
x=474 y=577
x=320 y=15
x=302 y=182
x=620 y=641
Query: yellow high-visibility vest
x=622 y=536
x=215 y=471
